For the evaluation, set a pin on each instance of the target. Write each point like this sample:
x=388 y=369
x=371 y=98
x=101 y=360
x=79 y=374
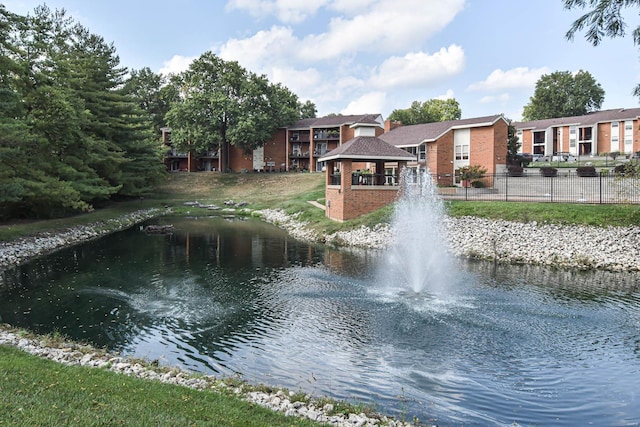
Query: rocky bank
x=563 y=246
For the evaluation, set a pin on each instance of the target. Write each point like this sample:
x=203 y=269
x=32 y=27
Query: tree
x=603 y=20
x=222 y=104
x=70 y=138
x=513 y=143
x=153 y=94
x=433 y=110
x=307 y=110
x=563 y=94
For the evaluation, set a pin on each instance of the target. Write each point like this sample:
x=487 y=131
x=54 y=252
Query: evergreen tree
x=153 y=93
x=69 y=136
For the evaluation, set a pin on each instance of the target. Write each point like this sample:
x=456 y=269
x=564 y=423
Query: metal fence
x=566 y=187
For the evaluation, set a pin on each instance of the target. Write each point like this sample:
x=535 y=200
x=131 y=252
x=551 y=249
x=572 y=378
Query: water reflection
x=504 y=344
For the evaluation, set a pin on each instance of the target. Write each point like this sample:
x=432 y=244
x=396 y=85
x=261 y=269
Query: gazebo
x=362 y=175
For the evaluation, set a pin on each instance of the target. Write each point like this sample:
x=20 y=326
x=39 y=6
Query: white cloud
x=519 y=77
x=419 y=68
x=371 y=102
x=502 y=99
x=387 y=25
x=177 y=64
x=447 y=95
x=298 y=81
x=263 y=49
x=352 y=6
x=290 y=11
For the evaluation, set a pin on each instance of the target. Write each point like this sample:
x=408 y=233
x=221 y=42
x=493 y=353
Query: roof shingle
x=411 y=135
x=367 y=148
x=590 y=119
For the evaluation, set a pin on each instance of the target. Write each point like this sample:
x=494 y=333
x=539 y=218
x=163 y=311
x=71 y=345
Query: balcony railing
x=175 y=153
x=299 y=155
x=371 y=179
x=324 y=135
x=213 y=154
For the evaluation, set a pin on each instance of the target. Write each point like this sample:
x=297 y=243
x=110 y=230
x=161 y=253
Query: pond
x=501 y=345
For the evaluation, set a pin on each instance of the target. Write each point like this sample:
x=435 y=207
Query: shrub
x=548 y=171
x=478 y=184
x=515 y=171
x=586 y=171
x=472 y=172
x=627 y=169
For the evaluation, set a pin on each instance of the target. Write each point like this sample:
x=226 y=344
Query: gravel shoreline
x=570 y=247
x=20 y=250
x=563 y=246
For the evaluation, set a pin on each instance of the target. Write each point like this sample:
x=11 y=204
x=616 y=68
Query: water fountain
x=418 y=262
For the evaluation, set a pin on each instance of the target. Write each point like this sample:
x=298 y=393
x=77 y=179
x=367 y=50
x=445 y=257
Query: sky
x=369 y=56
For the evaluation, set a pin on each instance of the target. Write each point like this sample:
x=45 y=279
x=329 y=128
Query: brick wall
x=348 y=202
x=365 y=199
x=489 y=146
x=275 y=150
x=389 y=125
x=239 y=160
x=346 y=133
x=444 y=159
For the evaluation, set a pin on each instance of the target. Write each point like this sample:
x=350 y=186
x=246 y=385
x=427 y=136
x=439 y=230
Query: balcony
x=209 y=154
x=175 y=153
x=326 y=135
x=299 y=155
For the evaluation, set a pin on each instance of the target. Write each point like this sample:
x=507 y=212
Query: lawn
x=36 y=391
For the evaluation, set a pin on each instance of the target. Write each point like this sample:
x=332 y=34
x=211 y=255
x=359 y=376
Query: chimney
x=391 y=124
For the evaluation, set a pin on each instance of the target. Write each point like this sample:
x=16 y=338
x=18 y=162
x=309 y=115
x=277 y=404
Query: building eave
x=367 y=158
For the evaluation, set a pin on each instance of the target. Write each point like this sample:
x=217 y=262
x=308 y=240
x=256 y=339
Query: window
x=573 y=131
x=539 y=142
x=462 y=152
x=585 y=134
x=628 y=136
x=615 y=136
x=422 y=152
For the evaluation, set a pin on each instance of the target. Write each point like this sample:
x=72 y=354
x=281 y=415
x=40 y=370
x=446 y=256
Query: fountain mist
x=418 y=260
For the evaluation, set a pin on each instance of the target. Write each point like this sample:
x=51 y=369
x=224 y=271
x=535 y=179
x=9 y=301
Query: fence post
x=506 y=186
x=551 y=192
x=601 y=187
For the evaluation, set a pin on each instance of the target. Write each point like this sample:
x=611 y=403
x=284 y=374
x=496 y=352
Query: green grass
x=21 y=228
x=550 y=213
x=583 y=161
x=36 y=391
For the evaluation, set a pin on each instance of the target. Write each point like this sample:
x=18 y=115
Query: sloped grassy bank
x=66 y=391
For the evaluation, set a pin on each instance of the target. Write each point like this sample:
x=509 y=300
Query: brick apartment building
x=443 y=147
x=595 y=133
x=295 y=148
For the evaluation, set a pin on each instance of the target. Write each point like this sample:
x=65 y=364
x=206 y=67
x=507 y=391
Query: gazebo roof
x=368 y=148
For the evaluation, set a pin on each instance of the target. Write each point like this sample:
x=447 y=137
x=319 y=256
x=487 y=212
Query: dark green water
x=502 y=344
